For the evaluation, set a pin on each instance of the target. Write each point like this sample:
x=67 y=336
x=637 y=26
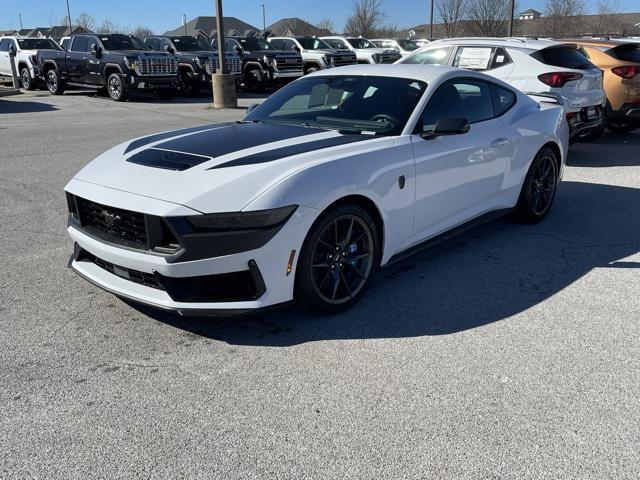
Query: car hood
x=219 y=167
x=141 y=53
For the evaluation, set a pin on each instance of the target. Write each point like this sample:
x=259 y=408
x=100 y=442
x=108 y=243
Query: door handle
x=499 y=142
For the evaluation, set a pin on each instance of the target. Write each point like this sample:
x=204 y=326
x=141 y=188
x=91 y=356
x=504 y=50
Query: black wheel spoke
x=355 y=270
x=336 y=284
x=347 y=238
x=346 y=284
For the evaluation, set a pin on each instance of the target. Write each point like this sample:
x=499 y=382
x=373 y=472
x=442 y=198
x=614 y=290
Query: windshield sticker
x=475 y=58
x=105 y=39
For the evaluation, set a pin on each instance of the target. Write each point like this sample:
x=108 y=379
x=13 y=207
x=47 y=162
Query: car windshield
x=360 y=43
x=122 y=42
x=37 y=44
x=408 y=44
x=313 y=44
x=190 y=44
x=628 y=53
x=252 y=43
x=350 y=104
x=563 y=56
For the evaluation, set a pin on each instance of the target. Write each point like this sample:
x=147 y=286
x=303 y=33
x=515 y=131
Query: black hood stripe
x=141 y=142
x=279 y=153
x=235 y=137
x=178 y=161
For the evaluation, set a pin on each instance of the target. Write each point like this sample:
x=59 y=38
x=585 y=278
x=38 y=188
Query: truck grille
x=390 y=57
x=135 y=276
x=287 y=63
x=158 y=66
x=234 y=64
x=340 y=60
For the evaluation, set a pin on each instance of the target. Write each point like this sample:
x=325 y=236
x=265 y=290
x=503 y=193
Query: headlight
x=131 y=63
x=198 y=62
x=376 y=57
x=33 y=59
x=326 y=59
x=259 y=219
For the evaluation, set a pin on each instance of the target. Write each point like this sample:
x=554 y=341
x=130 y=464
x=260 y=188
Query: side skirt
x=441 y=237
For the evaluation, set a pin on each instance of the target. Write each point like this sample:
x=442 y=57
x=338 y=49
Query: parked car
x=336 y=174
x=26 y=62
x=366 y=52
x=531 y=66
x=119 y=63
x=620 y=62
x=197 y=60
x=263 y=64
x=316 y=53
x=403 y=45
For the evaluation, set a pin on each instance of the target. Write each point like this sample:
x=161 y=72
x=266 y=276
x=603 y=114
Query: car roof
x=533 y=44
x=405 y=70
x=597 y=42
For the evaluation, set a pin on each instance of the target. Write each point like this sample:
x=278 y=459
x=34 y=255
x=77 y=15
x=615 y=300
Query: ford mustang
x=332 y=177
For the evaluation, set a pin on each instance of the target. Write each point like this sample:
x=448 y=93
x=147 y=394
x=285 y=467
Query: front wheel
x=54 y=84
x=539 y=188
x=337 y=259
x=116 y=88
x=254 y=81
x=25 y=79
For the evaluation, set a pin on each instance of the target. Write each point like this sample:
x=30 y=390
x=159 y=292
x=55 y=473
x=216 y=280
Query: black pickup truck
x=262 y=64
x=197 y=60
x=115 y=62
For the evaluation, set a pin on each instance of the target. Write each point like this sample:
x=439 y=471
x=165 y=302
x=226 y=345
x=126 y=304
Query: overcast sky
x=162 y=15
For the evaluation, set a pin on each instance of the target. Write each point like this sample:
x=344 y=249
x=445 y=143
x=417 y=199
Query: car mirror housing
x=447 y=126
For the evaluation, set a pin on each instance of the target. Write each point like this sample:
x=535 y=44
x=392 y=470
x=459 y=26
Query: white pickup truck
x=365 y=51
x=26 y=50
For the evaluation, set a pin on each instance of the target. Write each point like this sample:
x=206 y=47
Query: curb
x=6 y=92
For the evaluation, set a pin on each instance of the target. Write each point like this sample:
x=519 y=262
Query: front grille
x=286 y=63
x=341 y=60
x=135 y=276
x=390 y=57
x=234 y=64
x=158 y=66
x=124 y=226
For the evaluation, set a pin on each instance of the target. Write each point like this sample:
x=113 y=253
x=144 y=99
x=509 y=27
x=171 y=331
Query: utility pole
x=21 y=27
x=224 y=84
x=511 y=13
x=69 y=18
x=264 y=19
x=431 y=22
x=184 y=23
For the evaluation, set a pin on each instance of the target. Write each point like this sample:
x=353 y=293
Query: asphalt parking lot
x=511 y=351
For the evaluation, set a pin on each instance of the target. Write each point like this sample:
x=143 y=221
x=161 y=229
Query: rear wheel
x=54 y=83
x=539 y=188
x=115 y=87
x=25 y=79
x=337 y=259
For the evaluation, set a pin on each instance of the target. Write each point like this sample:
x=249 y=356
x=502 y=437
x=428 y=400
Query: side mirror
x=12 y=49
x=447 y=126
x=297 y=48
x=96 y=50
x=238 y=50
x=252 y=107
x=169 y=49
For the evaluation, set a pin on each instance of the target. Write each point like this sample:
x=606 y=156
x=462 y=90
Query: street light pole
x=431 y=22
x=224 y=84
x=21 y=27
x=184 y=23
x=264 y=18
x=511 y=13
x=69 y=18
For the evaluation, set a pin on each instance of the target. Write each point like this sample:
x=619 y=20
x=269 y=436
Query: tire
x=311 y=70
x=333 y=275
x=253 y=82
x=54 y=84
x=116 y=88
x=189 y=85
x=539 y=187
x=25 y=79
x=167 y=94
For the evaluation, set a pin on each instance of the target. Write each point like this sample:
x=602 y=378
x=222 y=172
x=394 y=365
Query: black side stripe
x=141 y=142
x=177 y=161
x=279 y=153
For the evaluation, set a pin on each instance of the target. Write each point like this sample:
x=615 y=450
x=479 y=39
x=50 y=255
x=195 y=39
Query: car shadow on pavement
x=608 y=150
x=484 y=275
x=7 y=107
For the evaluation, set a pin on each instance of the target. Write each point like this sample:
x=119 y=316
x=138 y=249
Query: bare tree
x=605 y=22
x=389 y=30
x=86 y=21
x=560 y=17
x=488 y=18
x=450 y=13
x=326 y=24
x=107 y=26
x=365 y=17
x=141 y=32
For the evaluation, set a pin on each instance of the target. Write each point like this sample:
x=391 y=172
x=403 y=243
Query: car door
x=458 y=176
x=77 y=59
x=93 y=65
x=5 y=66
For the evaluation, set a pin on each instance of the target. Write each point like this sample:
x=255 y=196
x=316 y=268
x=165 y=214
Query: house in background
x=205 y=27
x=530 y=14
x=295 y=26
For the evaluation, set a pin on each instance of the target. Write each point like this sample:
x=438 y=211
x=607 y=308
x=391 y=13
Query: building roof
x=295 y=26
x=206 y=26
x=531 y=11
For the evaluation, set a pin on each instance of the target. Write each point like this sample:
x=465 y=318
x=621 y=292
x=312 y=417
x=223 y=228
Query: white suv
x=365 y=51
x=533 y=66
x=316 y=53
x=405 y=46
x=26 y=62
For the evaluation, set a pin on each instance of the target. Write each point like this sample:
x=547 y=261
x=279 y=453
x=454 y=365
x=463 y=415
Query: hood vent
x=167 y=159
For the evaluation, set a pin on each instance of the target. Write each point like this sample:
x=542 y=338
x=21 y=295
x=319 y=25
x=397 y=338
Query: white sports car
x=331 y=177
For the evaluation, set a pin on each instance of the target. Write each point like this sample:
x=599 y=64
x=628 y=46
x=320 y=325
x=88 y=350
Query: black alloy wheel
x=54 y=84
x=539 y=188
x=337 y=259
x=116 y=88
x=25 y=79
x=188 y=84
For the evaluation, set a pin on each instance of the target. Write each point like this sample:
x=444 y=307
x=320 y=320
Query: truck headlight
x=131 y=63
x=197 y=61
x=376 y=57
x=326 y=59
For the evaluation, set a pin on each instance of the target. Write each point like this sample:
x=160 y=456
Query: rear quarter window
x=626 y=53
x=564 y=56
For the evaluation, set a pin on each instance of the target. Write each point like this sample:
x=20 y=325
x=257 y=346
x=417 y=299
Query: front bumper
x=276 y=75
x=152 y=82
x=629 y=111
x=154 y=281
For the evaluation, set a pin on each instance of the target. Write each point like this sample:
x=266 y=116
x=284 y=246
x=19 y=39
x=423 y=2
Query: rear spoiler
x=546 y=97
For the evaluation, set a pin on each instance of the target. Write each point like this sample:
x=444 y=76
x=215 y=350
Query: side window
x=4 y=45
x=335 y=43
x=163 y=43
x=151 y=43
x=289 y=45
x=473 y=58
x=388 y=44
x=470 y=99
x=79 y=44
x=500 y=58
x=65 y=44
x=230 y=45
x=435 y=56
x=503 y=99
x=277 y=44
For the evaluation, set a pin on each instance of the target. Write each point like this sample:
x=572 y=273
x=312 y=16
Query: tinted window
x=627 y=53
x=500 y=58
x=380 y=105
x=152 y=43
x=335 y=43
x=122 y=42
x=469 y=99
x=408 y=44
x=65 y=43
x=360 y=43
x=435 y=56
x=565 y=56
x=252 y=43
x=37 y=44
x=503 y=99
x=276 y=43
x=313 y=43
x=289 y=45
x=80 y=44
x=4 y=45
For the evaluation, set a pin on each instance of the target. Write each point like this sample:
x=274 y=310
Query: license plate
x=592 y=113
